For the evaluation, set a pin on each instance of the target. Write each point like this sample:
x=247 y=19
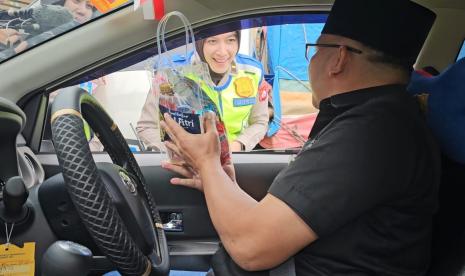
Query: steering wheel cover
x=87 y=189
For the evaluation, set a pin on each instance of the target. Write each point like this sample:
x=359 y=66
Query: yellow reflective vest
x=234 y=99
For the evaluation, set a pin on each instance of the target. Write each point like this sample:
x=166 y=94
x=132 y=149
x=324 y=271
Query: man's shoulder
x=391 y=104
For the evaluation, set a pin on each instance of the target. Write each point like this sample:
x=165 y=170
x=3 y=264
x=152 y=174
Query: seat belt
x=285 y=269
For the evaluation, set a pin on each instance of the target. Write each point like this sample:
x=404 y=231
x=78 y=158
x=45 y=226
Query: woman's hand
x=235 y=146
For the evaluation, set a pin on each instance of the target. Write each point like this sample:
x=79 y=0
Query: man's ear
x=339 y=61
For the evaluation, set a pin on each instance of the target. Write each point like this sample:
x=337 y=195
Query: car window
x=294 y=112
x=25 y=24
x=290 y=114
x=462 y=51
x=122 y=94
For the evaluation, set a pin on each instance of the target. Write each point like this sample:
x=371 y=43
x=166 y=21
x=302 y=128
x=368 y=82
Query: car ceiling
x=455 y=4
x=76 y=52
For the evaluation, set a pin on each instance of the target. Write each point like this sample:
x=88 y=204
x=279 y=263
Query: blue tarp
x=286 y=46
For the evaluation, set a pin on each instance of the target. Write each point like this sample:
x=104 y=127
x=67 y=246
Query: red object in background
x=105 y=6
x=264 y=90
x=293 y=132
x=159 y=8
x=153 y=9
x=225 y=156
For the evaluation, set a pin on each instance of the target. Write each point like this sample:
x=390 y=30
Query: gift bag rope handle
x=161 y=35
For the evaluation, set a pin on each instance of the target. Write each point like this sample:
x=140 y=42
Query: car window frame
x=178 y=40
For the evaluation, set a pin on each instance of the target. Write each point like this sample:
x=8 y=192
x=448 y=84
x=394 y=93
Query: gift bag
x=178 y=89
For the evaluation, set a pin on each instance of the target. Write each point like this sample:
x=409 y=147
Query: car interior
x=114 y=230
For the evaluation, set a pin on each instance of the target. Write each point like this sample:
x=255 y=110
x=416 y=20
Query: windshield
x=25 y=23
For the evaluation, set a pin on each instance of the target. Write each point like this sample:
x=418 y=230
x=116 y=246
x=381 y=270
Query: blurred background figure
x=81 y=10
x=40 y=21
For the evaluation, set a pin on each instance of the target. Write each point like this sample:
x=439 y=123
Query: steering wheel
x=112 y=199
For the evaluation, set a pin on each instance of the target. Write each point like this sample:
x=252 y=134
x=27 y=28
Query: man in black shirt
x=371 y=175
x=359 y=198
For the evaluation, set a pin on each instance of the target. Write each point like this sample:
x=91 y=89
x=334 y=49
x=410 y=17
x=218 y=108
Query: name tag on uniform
x=244 y=101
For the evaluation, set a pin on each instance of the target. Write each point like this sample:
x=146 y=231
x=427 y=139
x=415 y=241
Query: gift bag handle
x=161 y=36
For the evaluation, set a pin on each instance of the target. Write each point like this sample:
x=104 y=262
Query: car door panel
x=192 y=248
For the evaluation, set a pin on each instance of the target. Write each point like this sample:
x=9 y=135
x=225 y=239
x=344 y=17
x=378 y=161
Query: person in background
x=359 y=198
x=244 y=111
x=81 y=11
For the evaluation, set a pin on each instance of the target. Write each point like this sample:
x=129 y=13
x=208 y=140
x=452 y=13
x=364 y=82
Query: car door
x=191 y=236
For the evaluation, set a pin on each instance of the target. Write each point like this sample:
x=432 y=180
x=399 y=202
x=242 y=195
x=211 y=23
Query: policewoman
x=237 y=89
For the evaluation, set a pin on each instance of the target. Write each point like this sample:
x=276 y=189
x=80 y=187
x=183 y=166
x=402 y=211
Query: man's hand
x=191 y=178
x=198 y=150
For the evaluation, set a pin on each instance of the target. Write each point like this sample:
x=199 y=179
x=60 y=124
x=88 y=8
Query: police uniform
x=236 y=97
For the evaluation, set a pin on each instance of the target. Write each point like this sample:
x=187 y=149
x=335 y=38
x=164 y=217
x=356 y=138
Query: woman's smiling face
x=220 y=51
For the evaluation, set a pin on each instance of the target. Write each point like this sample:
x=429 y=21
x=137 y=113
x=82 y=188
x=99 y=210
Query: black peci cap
x=395 y=27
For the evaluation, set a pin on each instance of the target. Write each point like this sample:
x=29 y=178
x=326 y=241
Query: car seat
x=445 y=114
